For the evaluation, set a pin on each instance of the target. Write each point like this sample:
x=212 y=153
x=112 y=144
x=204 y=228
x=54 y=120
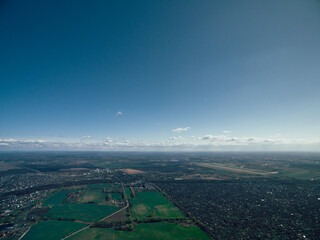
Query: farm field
x=153 y=204
x=300 y=174
x=81 y=212
x=52 y=230
x=144 y=231
x=116 y=196
x=96 y=196
x=57 y=198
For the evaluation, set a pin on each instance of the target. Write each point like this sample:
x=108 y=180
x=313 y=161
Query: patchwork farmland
x=112 y=211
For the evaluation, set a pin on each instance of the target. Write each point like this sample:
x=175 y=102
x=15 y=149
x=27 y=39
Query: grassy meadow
x=153 y=204
x=81 y=212
x=116 y=196
x=93 y=196
x=57 y=198
x=52 y=230
x=144 y=231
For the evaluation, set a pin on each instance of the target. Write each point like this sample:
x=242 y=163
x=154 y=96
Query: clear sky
x=160 y=75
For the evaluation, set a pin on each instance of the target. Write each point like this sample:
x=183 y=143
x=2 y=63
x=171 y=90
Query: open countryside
x=170 y=197
x=153 y=204
x=52 y=230
x=80 y=212
x=87 y=212
x=144 y=231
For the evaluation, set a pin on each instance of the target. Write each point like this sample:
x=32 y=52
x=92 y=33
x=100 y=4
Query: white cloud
x=108 y=141
x=215 y=138
x=86 y=137
x=207 y=137
x=119 y=113
x=226 y=131
x=178 y=130
x=176 y=138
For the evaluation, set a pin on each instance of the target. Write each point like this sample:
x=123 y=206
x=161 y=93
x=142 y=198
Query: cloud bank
x=203 y=143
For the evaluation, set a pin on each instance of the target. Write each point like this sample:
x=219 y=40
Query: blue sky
x=124 y=75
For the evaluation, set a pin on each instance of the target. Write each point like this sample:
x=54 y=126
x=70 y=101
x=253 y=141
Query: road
x=82 y=229
x=24 y=233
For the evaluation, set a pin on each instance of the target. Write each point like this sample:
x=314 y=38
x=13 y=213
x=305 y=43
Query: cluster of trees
x=130 y=224
x=124 y=225
x=133 y=194
x=159 y=219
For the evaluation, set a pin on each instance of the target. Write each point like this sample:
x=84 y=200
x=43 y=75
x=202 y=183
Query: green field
x=153 y=204
x=82 y=212
x=57 y=198
x=52 y=230
x=96 y=196
x=144 y=231
x=300 y=174
x=115 y=187
x=116 y=196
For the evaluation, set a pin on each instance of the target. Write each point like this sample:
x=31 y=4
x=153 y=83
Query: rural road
x=24 y=233
x=99 y=220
